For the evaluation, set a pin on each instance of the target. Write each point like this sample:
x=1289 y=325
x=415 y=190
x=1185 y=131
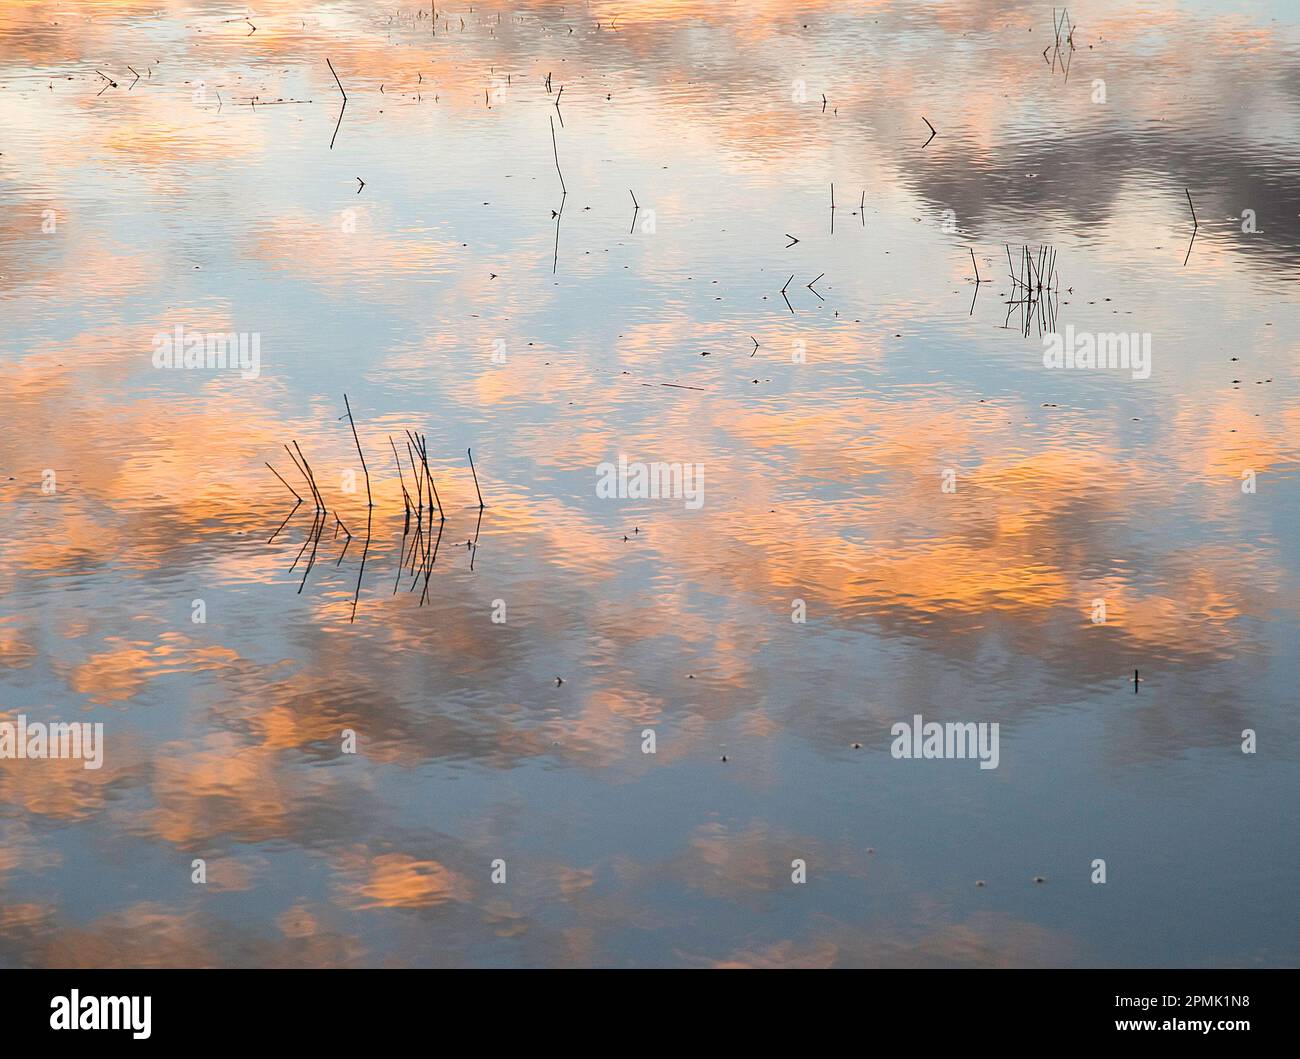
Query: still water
x=714 y=235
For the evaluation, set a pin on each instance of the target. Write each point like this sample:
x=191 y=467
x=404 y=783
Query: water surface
x=554 y=278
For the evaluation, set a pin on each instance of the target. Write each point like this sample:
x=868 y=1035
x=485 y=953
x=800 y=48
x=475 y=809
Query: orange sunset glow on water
x=733 y=391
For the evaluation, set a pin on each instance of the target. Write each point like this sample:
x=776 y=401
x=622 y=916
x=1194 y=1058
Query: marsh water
x=557 y=235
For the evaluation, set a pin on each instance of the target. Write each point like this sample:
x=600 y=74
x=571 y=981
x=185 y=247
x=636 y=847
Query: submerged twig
x=556 y=149
x=341 y=108
x=1196 y=226
x=365 y=470
x=475 y=474
x=286 y=484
